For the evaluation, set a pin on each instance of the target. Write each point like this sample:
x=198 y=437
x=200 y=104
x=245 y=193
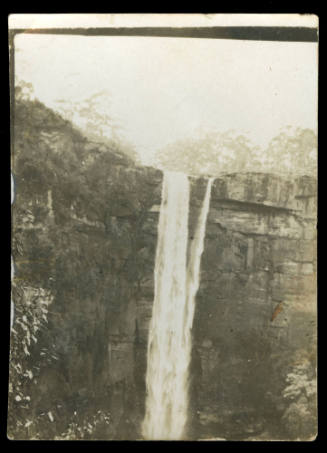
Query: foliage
x=212 y=153
x=90 y=113
x=61 y=186
x=23 y=90
x=299 y=382
x=30 y=319
x=86 y=427
x=89 y=117
x=92 y=117
x=292 y=151
x=300 y=394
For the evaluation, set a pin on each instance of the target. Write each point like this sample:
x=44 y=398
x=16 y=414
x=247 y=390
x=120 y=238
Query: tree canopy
x=90 y=116
x=292 y=151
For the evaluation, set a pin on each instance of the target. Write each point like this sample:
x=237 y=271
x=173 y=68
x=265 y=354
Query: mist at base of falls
x=176 y=283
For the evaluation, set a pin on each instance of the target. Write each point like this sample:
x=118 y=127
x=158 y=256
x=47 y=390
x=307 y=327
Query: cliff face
x=255 y=320
x=84 y=235
x=84 y=240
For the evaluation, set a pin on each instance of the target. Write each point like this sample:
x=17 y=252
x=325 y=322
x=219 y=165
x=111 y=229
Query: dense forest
x=73 y=201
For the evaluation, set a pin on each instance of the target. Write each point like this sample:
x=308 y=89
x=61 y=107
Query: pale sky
x=166 y=89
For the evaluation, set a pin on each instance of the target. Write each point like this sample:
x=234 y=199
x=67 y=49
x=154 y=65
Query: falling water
x=166 y=371
x=193 y=269
x=169 y=346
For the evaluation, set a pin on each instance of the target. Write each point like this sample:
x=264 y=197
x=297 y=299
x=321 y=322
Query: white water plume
x=197 y=247
x=176 y=284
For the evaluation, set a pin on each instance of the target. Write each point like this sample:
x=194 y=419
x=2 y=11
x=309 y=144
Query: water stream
x=176 y=285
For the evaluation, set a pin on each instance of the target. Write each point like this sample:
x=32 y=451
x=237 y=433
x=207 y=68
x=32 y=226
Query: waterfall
x=196 y=251
x=166 y=369
x=176 y=284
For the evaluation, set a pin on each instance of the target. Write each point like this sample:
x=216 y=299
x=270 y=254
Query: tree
x=91 y=114
x=92 y=117
x=23 y=90
x=211 y=153
x=292 y=151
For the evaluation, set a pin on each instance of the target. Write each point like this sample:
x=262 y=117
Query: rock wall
x=255 y=320
x=85 y=231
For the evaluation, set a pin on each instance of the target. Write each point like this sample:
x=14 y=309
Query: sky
x=167 y=89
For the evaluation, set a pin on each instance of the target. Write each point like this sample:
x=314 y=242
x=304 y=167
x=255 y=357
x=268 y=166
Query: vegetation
x=293 y=151
x=88 y=116
x=69 y=195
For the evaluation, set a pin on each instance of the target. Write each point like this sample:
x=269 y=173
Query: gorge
x=85 y=234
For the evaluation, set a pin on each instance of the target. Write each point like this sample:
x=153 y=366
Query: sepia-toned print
x=164 y=212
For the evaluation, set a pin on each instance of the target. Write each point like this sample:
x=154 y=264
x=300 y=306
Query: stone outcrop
x=255 y=319
x=85 y=230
